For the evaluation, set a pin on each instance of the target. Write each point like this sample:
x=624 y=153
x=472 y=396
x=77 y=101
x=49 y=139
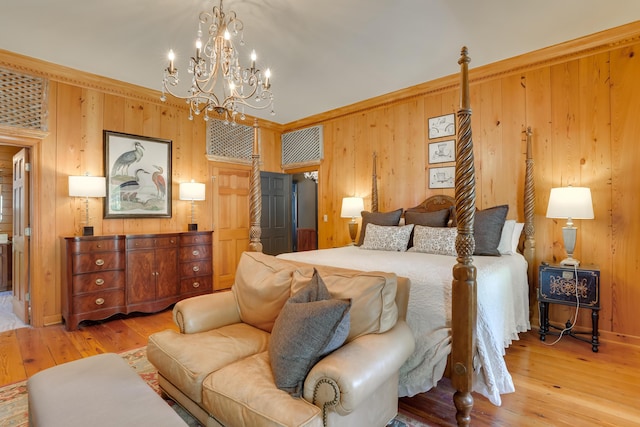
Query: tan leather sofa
x=218 y=365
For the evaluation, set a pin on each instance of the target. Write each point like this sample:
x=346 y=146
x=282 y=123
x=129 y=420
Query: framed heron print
x=138 y=175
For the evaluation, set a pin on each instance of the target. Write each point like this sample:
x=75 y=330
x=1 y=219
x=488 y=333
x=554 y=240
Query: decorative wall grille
x=228 y=142
x=302 y=147
x=22 y=100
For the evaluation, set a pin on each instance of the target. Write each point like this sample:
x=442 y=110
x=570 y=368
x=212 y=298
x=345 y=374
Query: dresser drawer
x=559 y=285
x=190 y=253
x=98 y=301
x=195 y=238
x=195 y=268
x=152 y=242
x=199 y=284
x=97 y=245
x=104 y=280
x=99 y=261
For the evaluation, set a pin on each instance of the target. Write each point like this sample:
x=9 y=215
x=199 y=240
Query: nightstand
x=557 y=285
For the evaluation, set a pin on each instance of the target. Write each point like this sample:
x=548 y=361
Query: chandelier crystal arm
x=219 y=83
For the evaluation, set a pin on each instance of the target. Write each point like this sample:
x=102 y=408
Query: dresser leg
x=594 y=334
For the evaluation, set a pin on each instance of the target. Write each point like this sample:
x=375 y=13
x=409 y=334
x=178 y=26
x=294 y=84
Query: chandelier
x=219 y=84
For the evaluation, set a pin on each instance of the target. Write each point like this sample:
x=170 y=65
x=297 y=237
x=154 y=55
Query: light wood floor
x=563 y=385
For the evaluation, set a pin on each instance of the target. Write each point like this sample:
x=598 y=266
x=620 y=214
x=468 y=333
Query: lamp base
x=572 y=262
x=87 y=231
x=192 y=227
x=353 y=232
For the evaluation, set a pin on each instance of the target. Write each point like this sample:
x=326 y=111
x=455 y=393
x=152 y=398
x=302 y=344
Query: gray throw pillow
x=378 y=218
x=487 y=229
x=310 y=325
x=428 y=219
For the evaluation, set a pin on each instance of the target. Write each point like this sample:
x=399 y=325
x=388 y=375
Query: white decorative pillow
x=517 y=231
x=387 y=238
x=505 y=246
x=435 y=240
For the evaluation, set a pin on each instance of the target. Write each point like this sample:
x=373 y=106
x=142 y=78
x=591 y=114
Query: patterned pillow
x=435 y=240
x=378 y=218
x=383 y=238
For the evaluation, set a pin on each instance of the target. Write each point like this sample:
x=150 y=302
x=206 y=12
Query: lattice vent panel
x=22 y=100
x=302 y=146
x=229 y=141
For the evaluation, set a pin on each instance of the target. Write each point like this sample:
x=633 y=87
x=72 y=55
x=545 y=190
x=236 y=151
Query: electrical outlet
x=326 y=218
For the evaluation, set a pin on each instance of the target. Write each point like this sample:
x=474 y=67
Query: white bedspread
x=503 y=311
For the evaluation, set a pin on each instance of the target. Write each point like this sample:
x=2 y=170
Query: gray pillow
x=428 y=219
x=310 y=325
x=378 y=218
x=487 y=229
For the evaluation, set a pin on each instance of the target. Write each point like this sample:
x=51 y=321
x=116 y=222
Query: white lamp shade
x=87 y=186
x=352 y=207
x=192 y=191
x=570 y=202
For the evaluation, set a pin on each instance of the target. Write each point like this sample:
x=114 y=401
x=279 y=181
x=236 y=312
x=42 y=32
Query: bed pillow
x=505 y=246
x=487 y=229
x=387 y=238
x=435 y=240
x=310 y=326
x=378 y=218
x=515 y=238
x=431 y=219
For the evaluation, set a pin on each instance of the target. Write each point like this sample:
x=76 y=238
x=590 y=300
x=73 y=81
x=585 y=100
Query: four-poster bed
x=456 y=334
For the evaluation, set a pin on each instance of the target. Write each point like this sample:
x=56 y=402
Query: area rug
x=14 y=410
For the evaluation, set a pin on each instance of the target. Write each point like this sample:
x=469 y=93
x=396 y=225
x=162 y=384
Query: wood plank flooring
x=562 y=385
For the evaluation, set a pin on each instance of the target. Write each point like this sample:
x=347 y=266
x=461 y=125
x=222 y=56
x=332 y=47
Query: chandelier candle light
x=570 y=203
x=219 y=83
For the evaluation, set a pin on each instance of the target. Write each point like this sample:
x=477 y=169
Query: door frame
x=32 y=140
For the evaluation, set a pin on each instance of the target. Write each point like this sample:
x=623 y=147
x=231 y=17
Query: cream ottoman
x=94 y=392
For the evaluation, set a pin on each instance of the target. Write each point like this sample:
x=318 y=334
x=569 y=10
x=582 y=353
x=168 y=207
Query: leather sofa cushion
x=261 y=288
x=186 y=359
x=244 y=394
x=372 y=295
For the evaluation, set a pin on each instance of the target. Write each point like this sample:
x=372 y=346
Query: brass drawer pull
x=196 y=284
x=196 y=268
x=196 y=252
x=99 y=282
x=100 y=301
x=99 y=261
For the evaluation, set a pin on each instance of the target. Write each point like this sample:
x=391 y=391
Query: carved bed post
x=529 y=206
x=255 y=200
x=464 y=298
x=374 y=185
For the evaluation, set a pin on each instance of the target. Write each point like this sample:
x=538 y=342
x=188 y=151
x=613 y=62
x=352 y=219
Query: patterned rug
x=13 y=397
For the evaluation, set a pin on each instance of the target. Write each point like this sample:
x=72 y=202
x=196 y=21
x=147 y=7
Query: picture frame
x=442 y=177
x=138 y=175
x=442 y=151
x=442 y=126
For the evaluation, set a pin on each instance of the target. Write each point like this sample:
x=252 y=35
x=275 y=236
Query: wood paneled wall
x=80 y=107
x=582 y=101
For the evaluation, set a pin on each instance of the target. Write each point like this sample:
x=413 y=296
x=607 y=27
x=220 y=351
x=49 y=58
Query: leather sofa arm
x=346 y=377
x=206 y=312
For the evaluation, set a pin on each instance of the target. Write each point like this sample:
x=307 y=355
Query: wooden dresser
x=107 y=275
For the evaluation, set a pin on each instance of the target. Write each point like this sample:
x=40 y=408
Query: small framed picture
x=138 y=172
x=444 y=177
x=442 y=126
x=442 y=151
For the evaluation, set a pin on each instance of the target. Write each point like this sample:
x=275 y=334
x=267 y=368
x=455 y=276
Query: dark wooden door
x=141 y=278
x=276 y=213
x=166 y=261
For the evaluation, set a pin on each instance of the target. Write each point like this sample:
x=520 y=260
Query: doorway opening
x=304 y=211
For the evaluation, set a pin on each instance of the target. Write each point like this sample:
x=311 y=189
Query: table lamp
x=192 y=191
x=87 y=186
x=570 y=203
x=352 y=208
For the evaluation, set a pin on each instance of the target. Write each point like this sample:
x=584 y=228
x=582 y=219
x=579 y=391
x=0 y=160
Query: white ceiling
x=323 y=54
